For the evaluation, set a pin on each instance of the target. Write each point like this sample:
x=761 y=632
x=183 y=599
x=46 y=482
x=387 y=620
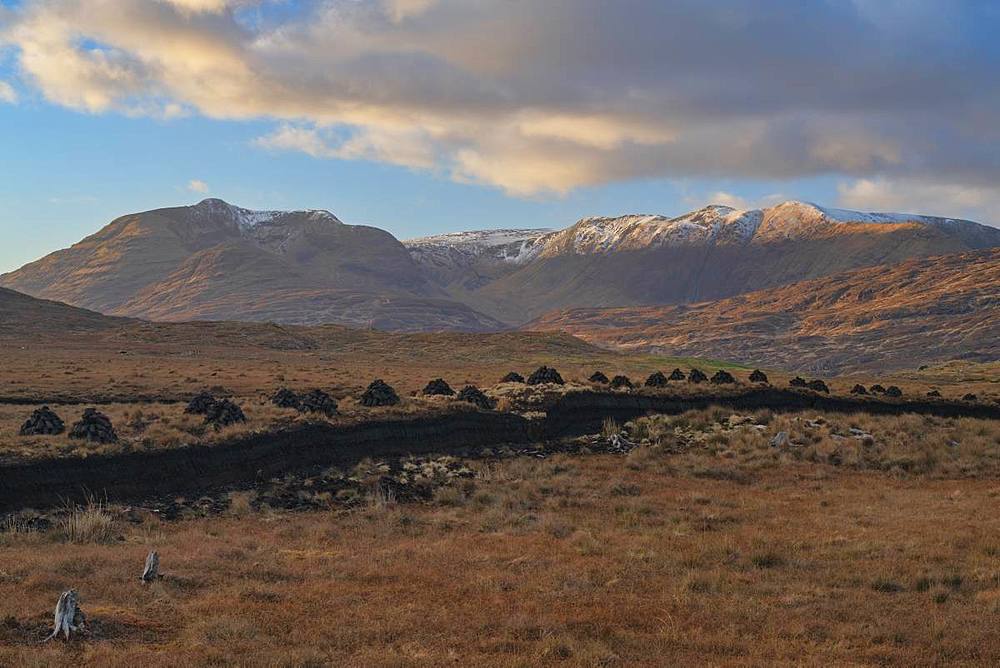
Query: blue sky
x=421 y=116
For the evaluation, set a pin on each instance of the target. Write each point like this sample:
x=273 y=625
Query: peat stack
x=318 y=401
x=893 y=391
x=798 y=381
x=877 y=389
x=818 y=386
x=758 y=376
x=544 y=374
x=859 y=389
x=620 y=381
x=512 y=377
x=970 y=397
x=43 y=422
x=473 y=395
x=379 y=393
x=598 y=377
x=723 y=377
x=438 y=387
x=200 y=404
x=697 y=376
x=223 y=413
x=676 y=374
x=657 y=379
x=285 y=398
x=94 y=426
x=933 y=393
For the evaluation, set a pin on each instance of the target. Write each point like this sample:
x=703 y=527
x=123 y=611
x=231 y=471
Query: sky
x=429 y=116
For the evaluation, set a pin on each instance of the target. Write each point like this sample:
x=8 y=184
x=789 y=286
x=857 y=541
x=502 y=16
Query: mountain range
x=216 y=261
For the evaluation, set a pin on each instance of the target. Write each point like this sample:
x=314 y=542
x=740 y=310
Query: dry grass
x=579 y=561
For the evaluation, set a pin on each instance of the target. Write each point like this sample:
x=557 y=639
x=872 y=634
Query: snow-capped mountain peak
x=248 y=220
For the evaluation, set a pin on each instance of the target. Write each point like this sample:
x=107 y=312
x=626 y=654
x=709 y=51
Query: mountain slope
x=217 y=261
x=28 y=318
x=712 y=253
x=922 y=310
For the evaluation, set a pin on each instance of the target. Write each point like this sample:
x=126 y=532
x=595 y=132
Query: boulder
x=780 y=440
x=697 y=376
x=620 y=381
x=379 y=393
x=318 y=401
x=94 y=426
x=933 y=393
x=512 y=377
x=598 y=377
x=676 y=374
x=200 y=404
x=544 y=374
x=893 y=391
x=224 y=413
x=285 y=398
x=473 y=395
x=438 y=387
x=723 y=377
x=798 y=382
x=859 y=389
x=657 y=379
x=43 y=422
x=758 y=376
x=818 y=386
x=877 y=389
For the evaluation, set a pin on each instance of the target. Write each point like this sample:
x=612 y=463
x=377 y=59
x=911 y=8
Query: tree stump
x=151 y=571
x=69 y=617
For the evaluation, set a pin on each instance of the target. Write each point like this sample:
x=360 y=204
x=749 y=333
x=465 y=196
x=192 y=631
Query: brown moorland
x=703 y=546
x=904 y=315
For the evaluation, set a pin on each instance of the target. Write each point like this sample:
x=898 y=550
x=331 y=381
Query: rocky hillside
x=221 y=262
x=712 y=253
x=902 y=315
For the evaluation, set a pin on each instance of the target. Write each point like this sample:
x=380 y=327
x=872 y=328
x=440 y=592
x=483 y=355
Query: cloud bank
x=543 y=97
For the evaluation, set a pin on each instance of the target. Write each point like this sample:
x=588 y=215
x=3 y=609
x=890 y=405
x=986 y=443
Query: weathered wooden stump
x=151 y=571
x=69 y=617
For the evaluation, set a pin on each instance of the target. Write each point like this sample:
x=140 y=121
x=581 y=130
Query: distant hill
x=902 y=315
x=22 y=316
x=215 y=261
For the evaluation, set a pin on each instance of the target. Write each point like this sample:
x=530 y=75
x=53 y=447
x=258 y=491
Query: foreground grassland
x=705 y=545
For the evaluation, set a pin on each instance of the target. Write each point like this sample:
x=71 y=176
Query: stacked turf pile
x=512 y=377
x=200 y=404
x=758 y=376
x=658 y=379
x=598 y=377
x=318 y=401
x=697 y=376
x=723 y=377
x=474 y=395
x=619 y=382
x=95 y=427
x=544 y=374
x=438 y=388
x=285 y=398
x=379 y=393
x=223 y=413
x=43 y=422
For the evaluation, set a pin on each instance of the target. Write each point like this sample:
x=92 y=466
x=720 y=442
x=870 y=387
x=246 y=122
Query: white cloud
x=544 y=97
x=979 y=203
x=7 y=93
x=209 y=6
x=197 y=186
